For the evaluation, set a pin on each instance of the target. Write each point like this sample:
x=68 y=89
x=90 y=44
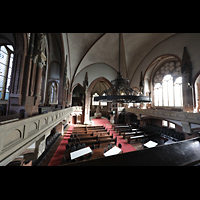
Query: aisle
x=126 y=147
x=58 y=155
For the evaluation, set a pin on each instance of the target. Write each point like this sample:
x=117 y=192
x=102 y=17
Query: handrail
x=16 y=136
x=174 y=115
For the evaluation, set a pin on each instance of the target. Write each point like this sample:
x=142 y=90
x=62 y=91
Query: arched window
x=53 y=93
x=168 y=93
x=167 y=83
x=158 y=94
x=6 y=63
x=178 y=92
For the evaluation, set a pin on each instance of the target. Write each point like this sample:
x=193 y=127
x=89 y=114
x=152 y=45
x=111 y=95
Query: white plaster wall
x=96 y=71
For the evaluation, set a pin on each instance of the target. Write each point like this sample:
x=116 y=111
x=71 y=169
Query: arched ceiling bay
x=89 y=48
x=79 y=44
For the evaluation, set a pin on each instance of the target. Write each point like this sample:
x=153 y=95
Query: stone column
x=87 y=108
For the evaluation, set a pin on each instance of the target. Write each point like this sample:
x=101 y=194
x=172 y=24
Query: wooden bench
x=91 y=133
x=126 y=134
x=95 y=137
x=100 y=141
x=104 y=140
x=95 y=127
x=115 y=125
x=96 y=140
x=117 y=128
x=140 y=137
x=102 y=129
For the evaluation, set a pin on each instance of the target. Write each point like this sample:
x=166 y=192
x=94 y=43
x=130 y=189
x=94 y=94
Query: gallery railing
x=16 y=136
x=168 y=114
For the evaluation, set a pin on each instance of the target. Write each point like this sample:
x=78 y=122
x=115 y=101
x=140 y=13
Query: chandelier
x=120 y=92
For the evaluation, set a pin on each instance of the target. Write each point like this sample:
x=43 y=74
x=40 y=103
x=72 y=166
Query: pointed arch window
x=53 y=92
x=6 y=63
x=178 y=92
x=158 y=94
x=168 y=92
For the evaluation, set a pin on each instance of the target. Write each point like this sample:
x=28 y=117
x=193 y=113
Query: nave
x=108 y=138
x=103 y=136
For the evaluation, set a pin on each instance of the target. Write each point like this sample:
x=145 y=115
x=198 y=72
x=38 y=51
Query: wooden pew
x=105 y=140
x=99 y=141
x=97 y=153
x=114 y=125
x=91 y=133
x=94 y=137
x=140 y=137
x=129 y=130
x=95 y=140
x=117 y=128
x=97 y=129
x=135 y=133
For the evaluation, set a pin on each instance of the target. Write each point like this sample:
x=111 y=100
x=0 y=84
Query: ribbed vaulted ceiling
x=88 y=48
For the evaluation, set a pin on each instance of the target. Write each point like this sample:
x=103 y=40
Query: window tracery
x=6 y=63
x=167 y=83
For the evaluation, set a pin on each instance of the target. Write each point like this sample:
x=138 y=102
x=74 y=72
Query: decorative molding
x=166 y=114
x=16 y=136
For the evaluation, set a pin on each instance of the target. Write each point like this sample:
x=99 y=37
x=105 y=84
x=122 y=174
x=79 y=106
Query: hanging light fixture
x=120 y=92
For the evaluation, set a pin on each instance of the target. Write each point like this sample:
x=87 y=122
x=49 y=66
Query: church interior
x=99 y=99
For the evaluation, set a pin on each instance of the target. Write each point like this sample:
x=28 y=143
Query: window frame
x=173 y=68
x=10 y=57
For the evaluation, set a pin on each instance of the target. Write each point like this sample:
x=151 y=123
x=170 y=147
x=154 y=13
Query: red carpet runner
x=58 y=155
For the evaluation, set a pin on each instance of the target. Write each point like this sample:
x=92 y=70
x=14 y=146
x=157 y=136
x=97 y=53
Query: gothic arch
x=17 y=94
x=102 y=79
